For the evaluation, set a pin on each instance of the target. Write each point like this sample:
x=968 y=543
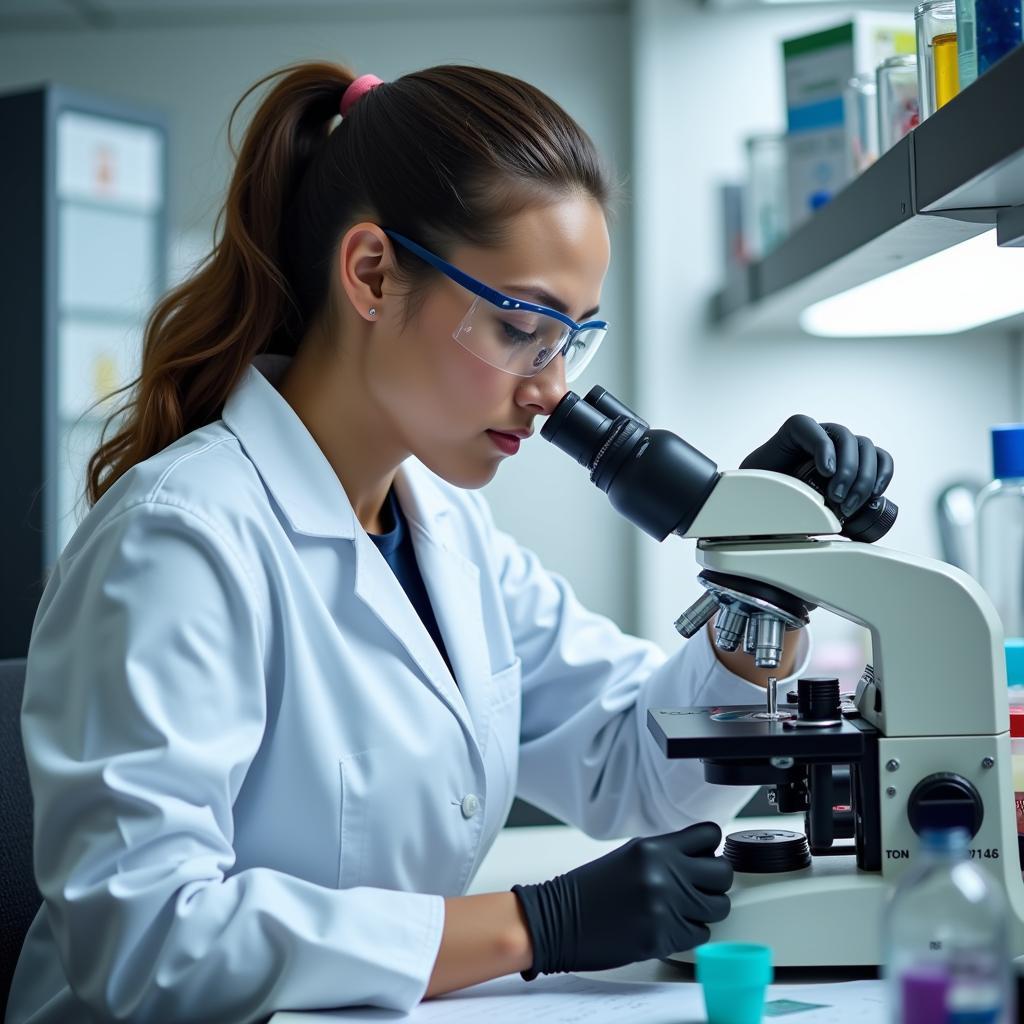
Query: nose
x=544 y=390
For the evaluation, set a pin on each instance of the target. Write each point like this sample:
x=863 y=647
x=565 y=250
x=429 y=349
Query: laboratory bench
x=536 y=853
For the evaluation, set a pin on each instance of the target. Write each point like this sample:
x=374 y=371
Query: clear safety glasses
x=511 y=334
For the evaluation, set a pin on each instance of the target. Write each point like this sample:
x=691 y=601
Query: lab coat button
x=470 y=805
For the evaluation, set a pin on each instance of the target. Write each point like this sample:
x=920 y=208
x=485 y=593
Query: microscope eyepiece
x=579 y=428
x=869 y=523
x=652 y=477
x=872 y=521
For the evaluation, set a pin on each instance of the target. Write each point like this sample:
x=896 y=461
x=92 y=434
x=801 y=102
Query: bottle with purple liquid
x=946 y=949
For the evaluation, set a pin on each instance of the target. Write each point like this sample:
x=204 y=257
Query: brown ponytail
x=442 y=155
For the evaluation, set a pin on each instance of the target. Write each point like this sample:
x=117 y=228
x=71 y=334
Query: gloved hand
x=651 y=897
x=859 y=471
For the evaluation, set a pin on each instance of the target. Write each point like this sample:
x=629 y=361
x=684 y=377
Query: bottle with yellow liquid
x=937 y=61
x=947 y=68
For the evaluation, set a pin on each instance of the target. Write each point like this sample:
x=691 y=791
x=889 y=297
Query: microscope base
x=825 y=915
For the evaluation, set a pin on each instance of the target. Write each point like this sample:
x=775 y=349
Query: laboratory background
x=815 y=218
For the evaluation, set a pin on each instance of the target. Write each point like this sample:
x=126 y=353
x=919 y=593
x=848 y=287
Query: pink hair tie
x=356 y=90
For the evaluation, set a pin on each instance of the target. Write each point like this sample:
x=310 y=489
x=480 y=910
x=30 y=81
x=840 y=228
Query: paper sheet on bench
x=573 y=1000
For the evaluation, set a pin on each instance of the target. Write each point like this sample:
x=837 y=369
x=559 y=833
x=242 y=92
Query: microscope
x=924 y=741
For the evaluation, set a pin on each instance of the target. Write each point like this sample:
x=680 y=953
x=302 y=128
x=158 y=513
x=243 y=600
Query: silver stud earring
x=373 y=311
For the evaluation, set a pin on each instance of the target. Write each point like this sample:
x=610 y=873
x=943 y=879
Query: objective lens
x=689 y=623
x=768 y=652
x=731 y=628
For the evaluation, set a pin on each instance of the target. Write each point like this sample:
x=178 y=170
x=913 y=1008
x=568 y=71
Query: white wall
x=667 y=90
x=197 y=73
x=704 y=80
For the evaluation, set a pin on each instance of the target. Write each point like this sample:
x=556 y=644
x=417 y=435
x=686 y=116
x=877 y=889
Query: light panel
x=972 y=283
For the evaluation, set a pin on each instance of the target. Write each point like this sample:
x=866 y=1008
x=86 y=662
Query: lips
x=506 y=443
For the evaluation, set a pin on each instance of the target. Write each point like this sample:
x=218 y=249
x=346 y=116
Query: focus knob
x=818 y=698
x=766 y=851
x=945 y=800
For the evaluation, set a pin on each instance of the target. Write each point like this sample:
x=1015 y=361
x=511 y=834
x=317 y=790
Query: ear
x=364 y=259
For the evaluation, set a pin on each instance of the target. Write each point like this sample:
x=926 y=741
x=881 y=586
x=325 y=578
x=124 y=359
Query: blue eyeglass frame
x=492 y=295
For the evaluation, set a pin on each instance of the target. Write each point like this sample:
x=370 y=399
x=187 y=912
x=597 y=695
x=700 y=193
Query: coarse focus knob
x=767 y=851
x=945 y=800
x=818 y=698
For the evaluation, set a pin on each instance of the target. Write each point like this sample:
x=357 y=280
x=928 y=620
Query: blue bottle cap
x=736 y=964
x=1014 y=648
x=1008 y=450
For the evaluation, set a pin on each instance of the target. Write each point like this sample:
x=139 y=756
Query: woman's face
x=443 y=401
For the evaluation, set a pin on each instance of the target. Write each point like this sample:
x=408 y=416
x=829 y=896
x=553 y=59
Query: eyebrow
x=547 y=299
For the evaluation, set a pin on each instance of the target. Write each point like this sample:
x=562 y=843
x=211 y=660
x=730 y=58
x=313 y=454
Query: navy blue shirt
x=396 y=547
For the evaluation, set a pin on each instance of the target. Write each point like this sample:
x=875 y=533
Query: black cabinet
x=83 y=193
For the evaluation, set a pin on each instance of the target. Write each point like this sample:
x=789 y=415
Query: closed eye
x=514 y=334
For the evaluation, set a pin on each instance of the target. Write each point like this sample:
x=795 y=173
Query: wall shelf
x=955 y=176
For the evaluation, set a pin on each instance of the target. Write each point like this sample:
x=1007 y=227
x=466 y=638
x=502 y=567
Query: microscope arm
x=743 y=505
x=932 y=626
x=934 y=632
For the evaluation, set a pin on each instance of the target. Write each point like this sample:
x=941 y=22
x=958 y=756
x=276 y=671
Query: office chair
x=19 y=897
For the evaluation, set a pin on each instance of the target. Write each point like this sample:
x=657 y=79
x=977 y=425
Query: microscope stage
x=692 y=733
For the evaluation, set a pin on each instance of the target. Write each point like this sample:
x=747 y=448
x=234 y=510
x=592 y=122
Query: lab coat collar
x=308 y=491
x=453 y=584
x=421 y=497
x=294 y=467
x=286 y=455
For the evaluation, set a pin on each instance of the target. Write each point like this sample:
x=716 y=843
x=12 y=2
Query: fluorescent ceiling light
x=885 y=4
x=968 y=284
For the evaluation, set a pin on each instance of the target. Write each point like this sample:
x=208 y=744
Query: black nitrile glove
x=650 y=897
x=859 y=471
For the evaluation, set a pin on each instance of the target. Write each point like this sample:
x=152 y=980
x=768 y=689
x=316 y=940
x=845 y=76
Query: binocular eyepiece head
x=652 y=477
x=658 y=481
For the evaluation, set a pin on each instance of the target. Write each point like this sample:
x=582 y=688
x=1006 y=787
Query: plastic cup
x=734 y=977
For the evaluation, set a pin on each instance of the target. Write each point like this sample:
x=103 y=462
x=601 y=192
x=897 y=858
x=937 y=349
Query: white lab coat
x=254 y=777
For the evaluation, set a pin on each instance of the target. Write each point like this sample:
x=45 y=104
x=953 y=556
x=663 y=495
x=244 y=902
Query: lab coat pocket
x=506 y=684
x=506 y=699
x=397 y=829
x=356 y=774
x=372 y=798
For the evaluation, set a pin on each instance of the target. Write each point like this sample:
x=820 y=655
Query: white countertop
x=535 y=853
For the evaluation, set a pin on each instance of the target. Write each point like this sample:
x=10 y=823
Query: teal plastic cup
x=734 y=977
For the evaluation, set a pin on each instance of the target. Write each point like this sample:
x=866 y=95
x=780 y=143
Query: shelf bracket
x=1010 y=226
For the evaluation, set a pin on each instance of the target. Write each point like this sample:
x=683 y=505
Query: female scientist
x=287 y=676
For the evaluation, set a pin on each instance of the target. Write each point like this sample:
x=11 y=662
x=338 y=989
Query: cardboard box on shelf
x=818 y=66
x=817 y=69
